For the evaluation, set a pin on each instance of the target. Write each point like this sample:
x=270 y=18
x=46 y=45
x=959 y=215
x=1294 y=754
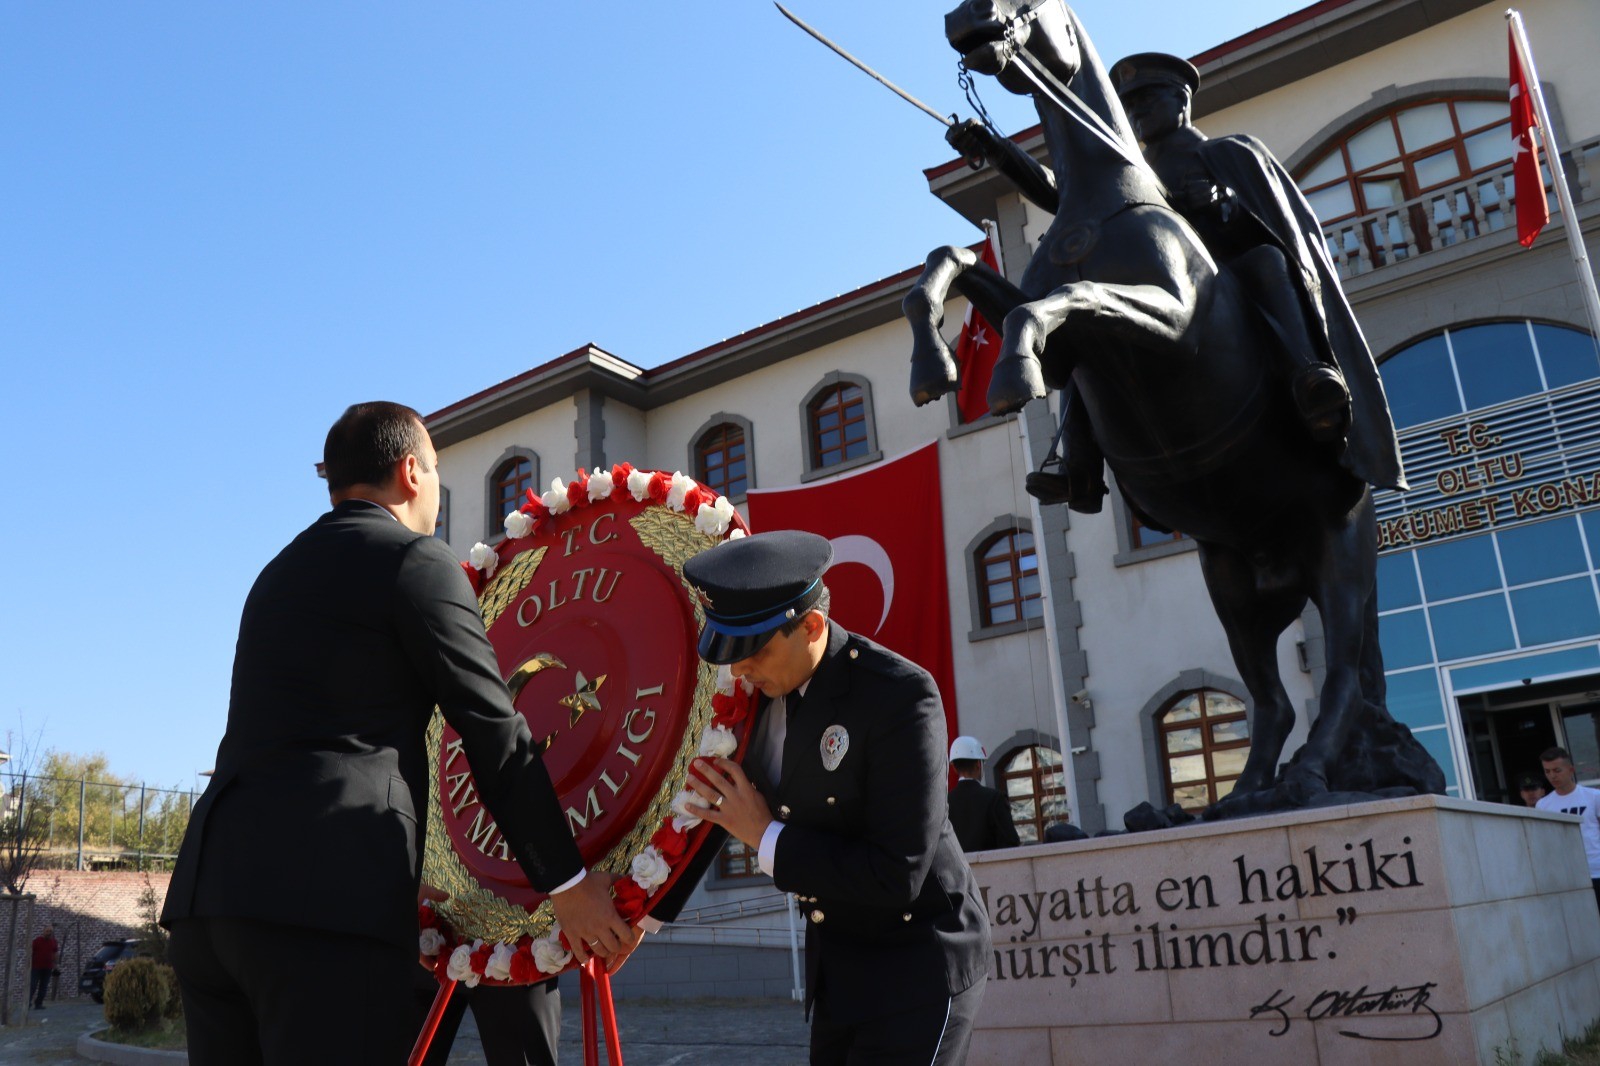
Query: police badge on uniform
x=835 y=742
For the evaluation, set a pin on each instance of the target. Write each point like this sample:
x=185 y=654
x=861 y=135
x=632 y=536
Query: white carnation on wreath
x=549 y=956
x=639 y=485
x=736 y=534
x=600 y=485
x=460 y=968
x=681 y=485
x=482 y=557
x=718 y=743
x=713 y=519
x=556 y=499
x=725 y=680
x=686 y=806
x=650 y=868
x=430 y=942
x=498 y=967
x=518 y=525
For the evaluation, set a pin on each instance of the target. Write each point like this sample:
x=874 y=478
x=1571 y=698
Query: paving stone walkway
x=686 y=1032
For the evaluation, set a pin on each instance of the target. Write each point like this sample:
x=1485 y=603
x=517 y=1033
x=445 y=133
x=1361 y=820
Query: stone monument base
x=1410 y=931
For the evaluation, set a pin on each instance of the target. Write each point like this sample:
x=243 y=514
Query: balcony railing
x=1445 y=217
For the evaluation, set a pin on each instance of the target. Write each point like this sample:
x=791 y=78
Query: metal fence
x=80 y=824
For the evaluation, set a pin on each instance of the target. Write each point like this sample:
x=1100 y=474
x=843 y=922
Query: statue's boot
x=1323 y=400
x=1082 y=489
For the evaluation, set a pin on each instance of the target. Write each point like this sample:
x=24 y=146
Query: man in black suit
x=293 y=902
x=979 y=814
x=850 y=749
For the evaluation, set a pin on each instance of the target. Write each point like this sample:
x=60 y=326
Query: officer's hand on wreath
x=590 y=920
x=732 y=801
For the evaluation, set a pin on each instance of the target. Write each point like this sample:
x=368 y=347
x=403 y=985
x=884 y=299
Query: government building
x=1083 y=650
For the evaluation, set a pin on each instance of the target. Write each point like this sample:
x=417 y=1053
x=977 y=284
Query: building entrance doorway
x=1507 y=729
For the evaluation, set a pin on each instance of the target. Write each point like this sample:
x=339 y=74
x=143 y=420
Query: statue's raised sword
x=944 y=120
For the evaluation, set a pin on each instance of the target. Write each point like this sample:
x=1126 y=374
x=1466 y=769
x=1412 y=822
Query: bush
x=169 y=977
x=136 y=995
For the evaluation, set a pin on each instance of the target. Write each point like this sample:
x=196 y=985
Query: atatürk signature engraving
x=1362 y=1002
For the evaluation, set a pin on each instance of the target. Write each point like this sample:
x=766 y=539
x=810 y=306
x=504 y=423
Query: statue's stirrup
x=1323 y=401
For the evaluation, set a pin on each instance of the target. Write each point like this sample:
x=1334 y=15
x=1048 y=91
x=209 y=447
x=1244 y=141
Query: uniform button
x=832 y=801
x=817 y=916
x=855 y=653
x=906 y=916
x=783 y=811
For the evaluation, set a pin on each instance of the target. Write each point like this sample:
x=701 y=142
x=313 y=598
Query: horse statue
x=1173 y=371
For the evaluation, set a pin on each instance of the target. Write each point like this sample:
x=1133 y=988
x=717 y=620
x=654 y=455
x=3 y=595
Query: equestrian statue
x=1184 y=304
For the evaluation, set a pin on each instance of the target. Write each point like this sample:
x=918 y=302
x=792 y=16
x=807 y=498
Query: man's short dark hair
x=967 y=767
x=1552 y=754
x=824 y=602
x=368 y=440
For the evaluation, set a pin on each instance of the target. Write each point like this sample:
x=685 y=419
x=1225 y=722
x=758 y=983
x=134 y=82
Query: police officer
x=842 y=795
x=980 y=815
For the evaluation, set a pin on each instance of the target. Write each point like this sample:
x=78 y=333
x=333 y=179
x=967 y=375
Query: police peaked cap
x=1153 y=68
x=751 y=586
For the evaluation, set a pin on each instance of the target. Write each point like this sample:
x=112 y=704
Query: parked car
x=106 y=959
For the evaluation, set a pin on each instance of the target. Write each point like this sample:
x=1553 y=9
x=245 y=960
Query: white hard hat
x=967 y=748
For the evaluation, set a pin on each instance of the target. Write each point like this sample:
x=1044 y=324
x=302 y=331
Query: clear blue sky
x=224 y=222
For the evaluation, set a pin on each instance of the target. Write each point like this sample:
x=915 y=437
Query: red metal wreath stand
x=595 y=984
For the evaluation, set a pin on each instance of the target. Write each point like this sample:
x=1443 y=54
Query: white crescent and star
x=855 y=548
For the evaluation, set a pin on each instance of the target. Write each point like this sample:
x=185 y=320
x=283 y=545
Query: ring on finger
x=717 y=803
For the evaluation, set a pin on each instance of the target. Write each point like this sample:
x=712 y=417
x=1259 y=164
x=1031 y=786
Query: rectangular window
x=1414 y=698
x=1459 y=567
x=1471 y=627
x=1541 y=551
x=1404 y=640
x=1562 y=610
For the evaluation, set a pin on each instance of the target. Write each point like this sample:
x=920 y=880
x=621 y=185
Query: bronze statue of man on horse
x=1183 y=303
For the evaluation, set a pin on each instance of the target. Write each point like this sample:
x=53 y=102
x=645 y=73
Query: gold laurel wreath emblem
x=474 y=910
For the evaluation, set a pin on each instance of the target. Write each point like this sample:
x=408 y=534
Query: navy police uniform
x=897 y=941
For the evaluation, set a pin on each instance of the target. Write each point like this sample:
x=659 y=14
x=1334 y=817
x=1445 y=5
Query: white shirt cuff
x=570 y=882
x=767 y=852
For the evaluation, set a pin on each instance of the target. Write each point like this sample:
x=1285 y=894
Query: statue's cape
x=1265 y=190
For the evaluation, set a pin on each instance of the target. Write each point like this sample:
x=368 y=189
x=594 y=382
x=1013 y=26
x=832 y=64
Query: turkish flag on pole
x=1533 y=210
x=888 y=576
x=976 y=350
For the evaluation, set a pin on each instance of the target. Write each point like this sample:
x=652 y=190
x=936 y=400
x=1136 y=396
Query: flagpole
x=1552 y=155
x=1058 y=688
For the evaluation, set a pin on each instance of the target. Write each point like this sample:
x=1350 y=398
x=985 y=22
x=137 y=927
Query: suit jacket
x=893 y=918
x=314 y=815
x=981 y=817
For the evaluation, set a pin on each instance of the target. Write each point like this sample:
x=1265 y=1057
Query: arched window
x=1465 y=369
x=738 y=859
x=511 y=481
x=721 y=459
x=1426 y=152
x=1205 y=739
x=838 y=420
x=1008 y=579
x=1033 y=782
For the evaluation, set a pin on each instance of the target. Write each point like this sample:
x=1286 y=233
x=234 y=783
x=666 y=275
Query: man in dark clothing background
x=980 y=816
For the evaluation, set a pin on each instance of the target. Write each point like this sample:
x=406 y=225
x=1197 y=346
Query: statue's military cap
x=1153 y=68
x=751 y=586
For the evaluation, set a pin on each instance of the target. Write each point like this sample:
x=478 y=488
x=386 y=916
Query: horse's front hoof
x=933 y=372
x=1015 y=382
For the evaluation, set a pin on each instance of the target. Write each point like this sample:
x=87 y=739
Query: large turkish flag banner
x=888 y=573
